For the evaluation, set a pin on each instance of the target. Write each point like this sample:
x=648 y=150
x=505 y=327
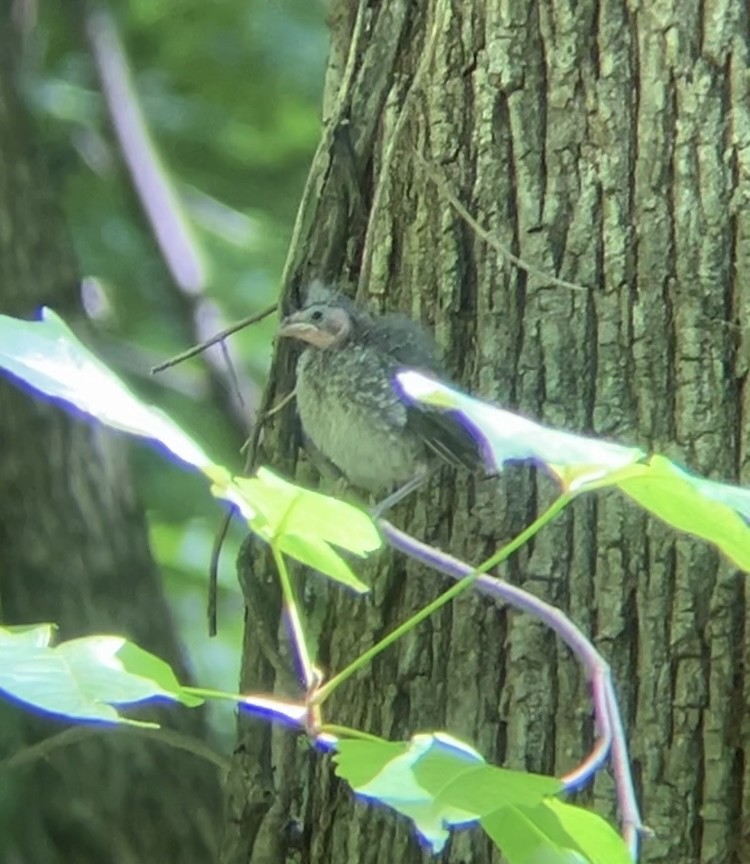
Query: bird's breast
x=352 y=414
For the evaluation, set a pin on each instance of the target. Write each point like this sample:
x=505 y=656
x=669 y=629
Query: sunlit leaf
x=138 y=662
x=440 y=782
x=717 y=512
x=48 y=357
x=386 y=772
x=359 y=762
x=508 y=437
x=303 y=511
x=437 y=781
x=83 y=678
x=597 y=841
x=484 y=788
x=306 y=525
x=553 y=832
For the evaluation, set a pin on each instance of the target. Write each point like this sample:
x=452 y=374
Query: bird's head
x=323 y=324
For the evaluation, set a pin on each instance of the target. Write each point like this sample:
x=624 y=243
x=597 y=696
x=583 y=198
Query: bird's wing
x=448 y=435
x=400 y=343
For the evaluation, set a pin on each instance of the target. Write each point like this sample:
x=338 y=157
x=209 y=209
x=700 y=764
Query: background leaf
x=83 y=678
x=48 y=357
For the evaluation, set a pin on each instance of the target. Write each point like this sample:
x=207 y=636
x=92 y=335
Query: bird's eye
x=317 y=315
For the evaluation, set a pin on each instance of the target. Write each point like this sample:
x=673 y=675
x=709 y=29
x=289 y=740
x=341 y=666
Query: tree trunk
x=74 y=551
x=607 y=144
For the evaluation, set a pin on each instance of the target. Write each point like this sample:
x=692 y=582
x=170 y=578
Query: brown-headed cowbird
x=350 y=404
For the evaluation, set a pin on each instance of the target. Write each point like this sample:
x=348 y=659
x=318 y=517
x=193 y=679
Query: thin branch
x=426 y=611
x=282 y=403
x=162 y=204
x=75 y=734
x=310 y=675
x=213 y=573
x=321 y=161
x=406 y=105
x=217 y=337
x=445 y=190
x=607 y=713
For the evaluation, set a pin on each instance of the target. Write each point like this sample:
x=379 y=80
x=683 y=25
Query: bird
x=350 y=405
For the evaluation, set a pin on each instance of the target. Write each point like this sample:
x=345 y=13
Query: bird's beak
x=295 y=327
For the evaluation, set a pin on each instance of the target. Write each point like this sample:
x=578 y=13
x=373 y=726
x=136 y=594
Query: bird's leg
x=402 y=492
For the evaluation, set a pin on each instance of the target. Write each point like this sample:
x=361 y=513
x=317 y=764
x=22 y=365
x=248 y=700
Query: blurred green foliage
x=231 y=93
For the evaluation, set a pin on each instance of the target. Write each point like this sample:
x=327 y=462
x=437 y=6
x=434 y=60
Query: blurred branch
x=76 y=734
x=162 y=207
x=172 y=230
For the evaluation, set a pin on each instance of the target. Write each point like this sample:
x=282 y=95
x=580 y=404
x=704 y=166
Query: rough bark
x=74 y=551
x=607 y=143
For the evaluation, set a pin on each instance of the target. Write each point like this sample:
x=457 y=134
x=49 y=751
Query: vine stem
x=606 y=709
x=467 y=581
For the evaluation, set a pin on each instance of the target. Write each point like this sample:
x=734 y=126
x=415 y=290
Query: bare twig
x=249 y=448
x=217 y=337
x=492 y=242
x=394 y=139
x=165 y=213
x=75 y=734
x=606 y=709
x=213 y=572
x=268 y=414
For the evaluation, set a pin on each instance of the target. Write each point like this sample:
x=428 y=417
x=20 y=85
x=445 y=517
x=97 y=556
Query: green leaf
x=597 y=841
x=358 y=762
x=507 y=437
x=138 y=662
x=440 y=782
x=385 y=772
x=554 y=833
x=82 y=678
x=291 y=509
x=316 y=553
x=486 y=787
x=437 y=781
x=305 y=524
x=531 y=835
x=47 y=356
x=717 y=512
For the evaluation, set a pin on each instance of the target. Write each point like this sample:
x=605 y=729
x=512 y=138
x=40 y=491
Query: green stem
x=204 y=693
x=519 y=540
x=347 y=732
x=295 y=623
x=324 y=692
x=559 y=504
